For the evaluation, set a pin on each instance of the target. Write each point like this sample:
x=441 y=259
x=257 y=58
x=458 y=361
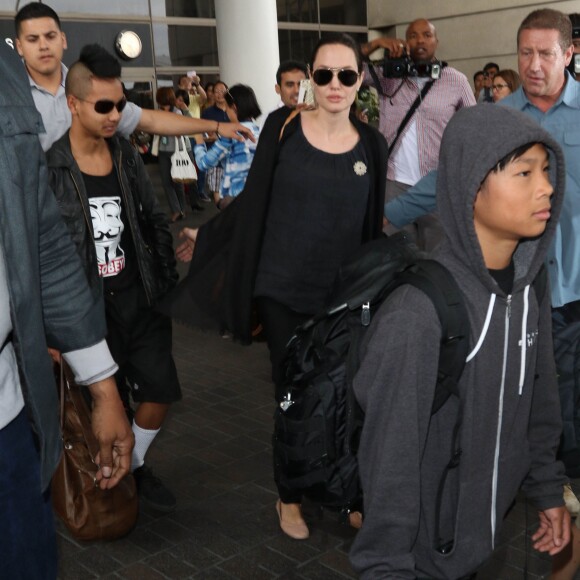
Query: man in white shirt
x=415 y=151
x=288 y=77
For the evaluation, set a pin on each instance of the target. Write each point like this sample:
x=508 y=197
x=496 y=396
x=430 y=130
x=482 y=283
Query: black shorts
x=140 y=341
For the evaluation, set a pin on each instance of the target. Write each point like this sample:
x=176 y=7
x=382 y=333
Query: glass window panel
x=183 y=8
x=299 y=44
x=296 y=44
x=349 y=12
x=108 y=7
x=297 y=11
x=189 y=46
x=140 y=93
x=105 y=33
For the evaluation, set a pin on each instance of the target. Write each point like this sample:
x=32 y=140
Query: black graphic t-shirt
x=114 y=244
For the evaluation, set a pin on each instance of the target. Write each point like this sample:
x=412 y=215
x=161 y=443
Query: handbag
x=155 y=146
x=182 y=168
x=89 y=512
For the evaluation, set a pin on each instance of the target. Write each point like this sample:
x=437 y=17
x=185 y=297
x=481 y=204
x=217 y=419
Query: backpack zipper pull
x=365 y=315
x=287 y=401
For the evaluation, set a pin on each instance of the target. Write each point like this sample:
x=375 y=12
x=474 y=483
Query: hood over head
x=474 y=141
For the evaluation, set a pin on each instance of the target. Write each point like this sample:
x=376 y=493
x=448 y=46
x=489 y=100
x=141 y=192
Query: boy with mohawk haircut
x=123 y=239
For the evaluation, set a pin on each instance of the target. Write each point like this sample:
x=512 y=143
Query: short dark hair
x=94 y=62
x=511 y=77
x=183 y=94
x=165 y=96
x=32 y=11
x=290 y=65
x=575 y=20
x=549 y=19
x=490 y=65
x=244 y=98
x=475 y=75
x=181 y=77
x=100 y=61
x=512 y=156
x=339 y=38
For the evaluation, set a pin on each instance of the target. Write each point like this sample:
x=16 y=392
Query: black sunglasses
x=346 y=76
x=105 y=106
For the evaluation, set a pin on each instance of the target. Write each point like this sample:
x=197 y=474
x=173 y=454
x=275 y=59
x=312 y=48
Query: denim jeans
x=28 y=545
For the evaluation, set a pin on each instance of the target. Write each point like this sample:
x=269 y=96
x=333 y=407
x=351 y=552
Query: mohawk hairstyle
x=94 y=62
x=100 y=62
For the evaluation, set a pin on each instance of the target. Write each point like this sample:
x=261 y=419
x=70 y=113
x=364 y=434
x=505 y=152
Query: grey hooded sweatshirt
x=508 y=392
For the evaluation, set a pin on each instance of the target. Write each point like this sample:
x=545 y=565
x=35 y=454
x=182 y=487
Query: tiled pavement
x=215 y=454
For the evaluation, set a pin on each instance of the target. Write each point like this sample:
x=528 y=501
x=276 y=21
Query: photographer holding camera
x=418 y=95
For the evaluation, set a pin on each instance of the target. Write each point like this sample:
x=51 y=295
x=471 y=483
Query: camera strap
x=411 y=112
x=376 y=80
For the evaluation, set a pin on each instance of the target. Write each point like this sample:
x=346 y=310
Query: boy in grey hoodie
x=498 y=202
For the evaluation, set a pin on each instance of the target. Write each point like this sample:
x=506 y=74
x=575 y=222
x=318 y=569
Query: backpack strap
x=438 y=284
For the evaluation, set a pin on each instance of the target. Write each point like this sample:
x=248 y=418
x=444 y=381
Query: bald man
x=415 y=151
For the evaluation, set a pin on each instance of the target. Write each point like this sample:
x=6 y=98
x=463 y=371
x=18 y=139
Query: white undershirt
x=406 y=156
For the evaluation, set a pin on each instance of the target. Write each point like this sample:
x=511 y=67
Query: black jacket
x=151 y=235
x=50 y=302
x=220 y=284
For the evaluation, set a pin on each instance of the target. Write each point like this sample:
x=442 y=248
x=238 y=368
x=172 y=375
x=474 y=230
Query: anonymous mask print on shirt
x=108 y=228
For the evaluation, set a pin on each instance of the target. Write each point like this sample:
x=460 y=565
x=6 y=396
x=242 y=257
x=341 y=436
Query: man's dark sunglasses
x=105 y=106
x=346 y=76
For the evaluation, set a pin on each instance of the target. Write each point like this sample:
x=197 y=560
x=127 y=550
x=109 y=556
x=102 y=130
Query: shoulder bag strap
x=291 y=116
x=69 y=389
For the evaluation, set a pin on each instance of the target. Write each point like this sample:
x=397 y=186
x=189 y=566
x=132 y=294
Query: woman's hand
x=184 y=251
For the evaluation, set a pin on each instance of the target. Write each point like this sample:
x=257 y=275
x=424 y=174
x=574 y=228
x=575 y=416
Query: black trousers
x=279 y=323
x=566 y=335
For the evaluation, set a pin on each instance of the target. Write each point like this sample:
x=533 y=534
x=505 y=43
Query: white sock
x=143 y=439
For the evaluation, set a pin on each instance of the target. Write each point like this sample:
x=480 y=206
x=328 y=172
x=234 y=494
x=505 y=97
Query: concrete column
x=247 y=38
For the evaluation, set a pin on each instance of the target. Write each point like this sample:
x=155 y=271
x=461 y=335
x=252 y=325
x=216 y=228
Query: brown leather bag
x=89 y=512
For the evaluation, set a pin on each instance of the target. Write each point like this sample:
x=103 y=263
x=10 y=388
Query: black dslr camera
x=403 y=67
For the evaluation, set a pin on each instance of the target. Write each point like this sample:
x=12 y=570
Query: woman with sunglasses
x=315 y=192
x=236 y=157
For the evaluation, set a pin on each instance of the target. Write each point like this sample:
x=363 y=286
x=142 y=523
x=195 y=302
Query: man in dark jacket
x=122 y=236
x=44 y=301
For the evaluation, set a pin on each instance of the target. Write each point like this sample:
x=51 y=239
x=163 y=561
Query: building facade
x=166 y=38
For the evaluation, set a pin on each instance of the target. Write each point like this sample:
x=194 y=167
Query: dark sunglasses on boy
x=105 y=106
x=346 y=76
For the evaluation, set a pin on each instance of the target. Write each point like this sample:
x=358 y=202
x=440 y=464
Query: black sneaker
x=151 y=490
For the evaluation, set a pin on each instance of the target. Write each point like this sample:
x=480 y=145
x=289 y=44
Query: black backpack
x=318 y=423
